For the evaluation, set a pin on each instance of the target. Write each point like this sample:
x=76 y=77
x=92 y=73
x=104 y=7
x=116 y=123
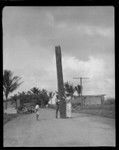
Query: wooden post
x=60 y=83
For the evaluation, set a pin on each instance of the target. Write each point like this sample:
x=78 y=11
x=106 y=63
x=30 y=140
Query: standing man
x=57 y=105
x=37 y=111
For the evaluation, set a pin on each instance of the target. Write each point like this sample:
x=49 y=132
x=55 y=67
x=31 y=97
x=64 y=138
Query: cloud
x=81 y=32
x=101 y=77
x=84 y=68
x=91 y=30
x=95 y=68
x=95 y=30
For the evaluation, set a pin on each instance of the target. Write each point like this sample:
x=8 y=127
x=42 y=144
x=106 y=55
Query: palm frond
x=10 y=82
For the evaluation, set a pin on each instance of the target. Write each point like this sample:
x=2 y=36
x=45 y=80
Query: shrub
x=110 y=101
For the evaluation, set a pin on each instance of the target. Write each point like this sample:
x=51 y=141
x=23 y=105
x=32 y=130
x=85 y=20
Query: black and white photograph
x=58 y=76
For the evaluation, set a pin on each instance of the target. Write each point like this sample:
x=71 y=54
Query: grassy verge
x=104 y=110
x=8 y=117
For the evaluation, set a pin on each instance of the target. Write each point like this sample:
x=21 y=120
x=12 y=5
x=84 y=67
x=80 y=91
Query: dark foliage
x=69 y=89
x=10 y=82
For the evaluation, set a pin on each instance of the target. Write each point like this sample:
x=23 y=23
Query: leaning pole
x=60 y=84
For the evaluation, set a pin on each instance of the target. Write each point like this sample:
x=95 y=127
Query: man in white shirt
x=37 y=111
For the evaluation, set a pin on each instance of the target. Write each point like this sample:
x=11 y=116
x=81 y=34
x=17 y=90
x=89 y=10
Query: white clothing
x=37 y=109
x=68 y=109
x=57 y=100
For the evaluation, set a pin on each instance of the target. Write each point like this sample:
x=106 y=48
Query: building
x=89 y=99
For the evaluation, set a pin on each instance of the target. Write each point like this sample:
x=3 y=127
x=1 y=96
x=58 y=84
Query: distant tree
x=44 y=97
x=35 y=90
x=10 y=83
x=78 y=89
x=29 y=93
x=69 y=89
x=34 y=96
x=22 y=96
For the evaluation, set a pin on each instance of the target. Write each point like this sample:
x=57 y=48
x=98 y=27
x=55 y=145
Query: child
x=37 y=111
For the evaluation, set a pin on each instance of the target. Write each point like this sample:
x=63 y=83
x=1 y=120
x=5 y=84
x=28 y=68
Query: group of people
x=68 y=107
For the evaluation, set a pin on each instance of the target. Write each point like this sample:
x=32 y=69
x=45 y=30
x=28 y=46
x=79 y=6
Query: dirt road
x=80 y=130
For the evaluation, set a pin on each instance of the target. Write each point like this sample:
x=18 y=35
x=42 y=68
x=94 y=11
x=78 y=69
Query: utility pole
x=60 y=83
x=81 y=84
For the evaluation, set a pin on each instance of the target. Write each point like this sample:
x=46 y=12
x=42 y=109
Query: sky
x=86 y=37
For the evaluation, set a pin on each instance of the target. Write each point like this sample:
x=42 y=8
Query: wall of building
x=90 y=100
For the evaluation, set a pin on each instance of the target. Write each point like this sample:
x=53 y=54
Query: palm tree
x=35 y=90
x=69 y=89
x=10 y=83
x=78 y=88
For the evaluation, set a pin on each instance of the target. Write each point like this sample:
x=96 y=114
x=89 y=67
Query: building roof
x=90 y=95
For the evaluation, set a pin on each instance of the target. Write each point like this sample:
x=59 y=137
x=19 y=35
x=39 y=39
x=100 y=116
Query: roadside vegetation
x=8 y=117
x=10 y=83
x=105 y=110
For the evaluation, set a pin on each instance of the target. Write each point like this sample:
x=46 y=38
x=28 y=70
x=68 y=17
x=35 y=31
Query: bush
x=110 y=101
x=31 y=109
x=20 y=108
x=106 y=110
x=26 y=109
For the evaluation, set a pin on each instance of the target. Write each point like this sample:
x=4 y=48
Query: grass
x=107 y=110
x=9 y=117
x=52 y=106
